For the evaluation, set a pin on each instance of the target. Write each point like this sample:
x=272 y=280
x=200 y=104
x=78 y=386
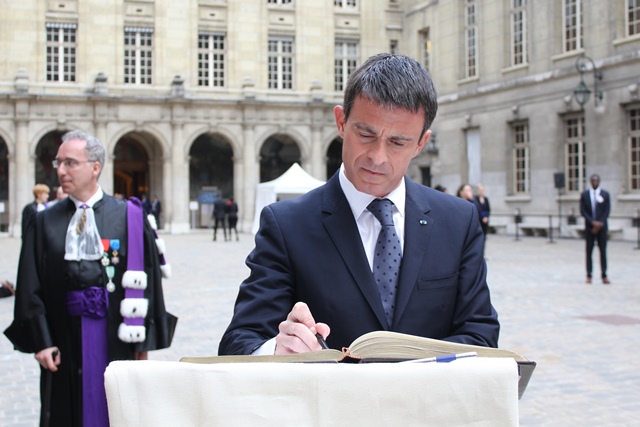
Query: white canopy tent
x=293 y=183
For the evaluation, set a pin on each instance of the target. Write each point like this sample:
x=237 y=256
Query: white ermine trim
x=161 y=246
x=152 y=221
x=128 y=333
x=134 y=279
x=134 y=307
x=166 y=271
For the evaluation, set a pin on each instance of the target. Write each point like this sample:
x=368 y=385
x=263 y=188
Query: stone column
x=251 y=178
x=167 y=193
x=239 y=187
x=180 y=185
x=316 y=155
x=106 y=176
x=19 y=167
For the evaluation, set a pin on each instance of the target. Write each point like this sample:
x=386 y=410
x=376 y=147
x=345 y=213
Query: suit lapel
x=343 y=230
x=418 y=226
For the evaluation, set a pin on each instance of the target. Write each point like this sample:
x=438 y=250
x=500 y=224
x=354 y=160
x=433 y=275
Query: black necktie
x=387 y=256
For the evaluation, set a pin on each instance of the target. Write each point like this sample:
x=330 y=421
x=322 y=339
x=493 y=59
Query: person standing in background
x=146 y=205
x=156 y=209
x=232 y=217
x=60 y=195
x=595 y=205
x=219 y=208
x=485 y=211
x=41 y=195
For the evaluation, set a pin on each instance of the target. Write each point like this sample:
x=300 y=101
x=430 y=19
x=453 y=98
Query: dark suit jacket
x=309 y=249
x=28 y=212
x=602 y=210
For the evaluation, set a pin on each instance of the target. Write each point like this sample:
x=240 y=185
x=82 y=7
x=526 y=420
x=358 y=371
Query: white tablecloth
x=473 y=391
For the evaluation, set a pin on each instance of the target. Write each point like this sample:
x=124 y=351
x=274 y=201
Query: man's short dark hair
x=393 y=81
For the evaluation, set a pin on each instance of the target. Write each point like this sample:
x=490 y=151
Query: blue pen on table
x=443 y=359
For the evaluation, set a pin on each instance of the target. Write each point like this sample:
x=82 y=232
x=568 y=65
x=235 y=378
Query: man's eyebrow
x=365 y=128
x=369 y=129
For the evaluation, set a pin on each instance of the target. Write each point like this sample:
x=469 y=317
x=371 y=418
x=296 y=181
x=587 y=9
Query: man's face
x=595 y=181
x=77 y=175
x=378 y=144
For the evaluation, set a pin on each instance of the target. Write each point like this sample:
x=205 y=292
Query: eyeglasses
x=69 y=163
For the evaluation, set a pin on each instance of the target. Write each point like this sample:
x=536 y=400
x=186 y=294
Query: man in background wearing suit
x=40 y=197
x=595 y=205
x=314 y=268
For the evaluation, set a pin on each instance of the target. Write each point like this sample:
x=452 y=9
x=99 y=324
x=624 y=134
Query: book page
x=393 y=345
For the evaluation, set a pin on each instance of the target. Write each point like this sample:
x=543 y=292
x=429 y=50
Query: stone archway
x=334 y=156
x=46 y=151
x=277 y=155
x=210 y=172
x=137 y=166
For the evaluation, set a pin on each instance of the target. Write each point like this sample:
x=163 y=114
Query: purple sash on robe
x=91 y=304
x=135 y=222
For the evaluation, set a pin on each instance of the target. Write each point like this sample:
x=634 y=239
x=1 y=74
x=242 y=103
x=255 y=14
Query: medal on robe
x=111 y=271
x=107 y=245
x=115 y=245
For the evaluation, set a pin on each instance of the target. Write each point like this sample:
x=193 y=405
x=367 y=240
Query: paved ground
x=585 y=338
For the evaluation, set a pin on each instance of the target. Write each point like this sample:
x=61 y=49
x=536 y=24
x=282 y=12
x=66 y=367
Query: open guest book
x=384 y=346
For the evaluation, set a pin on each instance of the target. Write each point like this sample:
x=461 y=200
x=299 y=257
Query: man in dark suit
x=156 y=210
x=595 y=205
x=40 y=196
x=312 y=269
x=219 y=213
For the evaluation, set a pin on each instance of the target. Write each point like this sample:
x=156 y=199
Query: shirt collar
x=358 y=201
x=97 y=196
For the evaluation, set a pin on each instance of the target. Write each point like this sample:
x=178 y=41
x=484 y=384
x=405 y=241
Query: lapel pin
x=423 y=222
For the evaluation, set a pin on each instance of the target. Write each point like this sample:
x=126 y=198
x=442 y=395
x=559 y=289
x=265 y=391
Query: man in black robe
x=83 y=246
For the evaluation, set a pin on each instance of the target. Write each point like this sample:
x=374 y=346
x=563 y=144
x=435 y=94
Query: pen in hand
x=322 y=342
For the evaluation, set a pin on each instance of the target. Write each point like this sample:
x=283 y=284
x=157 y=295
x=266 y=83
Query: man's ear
x=423 y=142
x=338 y=112
x=97 y=168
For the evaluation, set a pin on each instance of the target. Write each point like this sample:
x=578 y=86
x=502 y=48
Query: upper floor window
x=572 y=25
x=633 y=17
x=281 y=60
x=425 y=48
x=346 y=4
x=138 y=55
x=518 y=32
x=471 y=39
x=346 y=61
x=633 y=119
x=521 y=157
x=279 y=1
x=61 y=52
x=211 y=59
x=575 y=153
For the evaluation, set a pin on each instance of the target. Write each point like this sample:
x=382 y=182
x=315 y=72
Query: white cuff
x=131 y=334
x=134 y=280
x=161 y=246
x=268 y=348
x=166 y=271
x=134 y=307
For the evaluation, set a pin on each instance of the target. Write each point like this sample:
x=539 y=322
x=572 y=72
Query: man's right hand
x=49 y=358
x=298 y=333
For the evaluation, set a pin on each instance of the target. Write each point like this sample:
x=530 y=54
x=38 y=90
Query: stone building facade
x=203 y=96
